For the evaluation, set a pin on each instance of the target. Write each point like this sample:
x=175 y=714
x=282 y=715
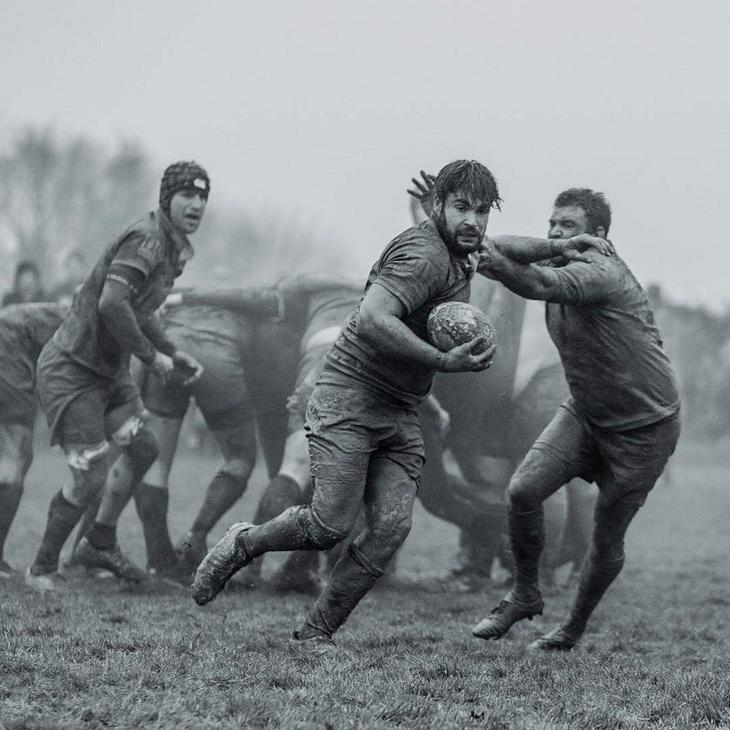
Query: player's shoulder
x=421 y=241
x=144 y=238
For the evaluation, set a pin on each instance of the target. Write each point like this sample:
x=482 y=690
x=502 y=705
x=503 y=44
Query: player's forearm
x=527 y=280
x=263 y=302
x=121 y=321
x=389 y=335
x=525 y=249
x=156 y=335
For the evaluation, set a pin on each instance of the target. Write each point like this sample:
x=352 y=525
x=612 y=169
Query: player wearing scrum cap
x=620 y=424
x=83 y=373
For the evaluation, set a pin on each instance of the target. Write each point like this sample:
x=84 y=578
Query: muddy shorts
x=349 y=428
x=221 y=393
x=624 y=464
x=81 y=406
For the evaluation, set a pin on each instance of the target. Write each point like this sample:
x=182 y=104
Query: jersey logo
x=150 y=250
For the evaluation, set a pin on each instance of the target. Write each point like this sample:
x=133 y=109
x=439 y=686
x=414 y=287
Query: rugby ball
x=454 y=323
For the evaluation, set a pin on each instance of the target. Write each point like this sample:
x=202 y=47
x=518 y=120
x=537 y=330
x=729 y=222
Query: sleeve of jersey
x=584 y=283
x=139 y=252
x=410 y=277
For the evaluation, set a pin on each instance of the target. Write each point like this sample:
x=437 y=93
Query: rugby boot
x=5 y=570
x=559 y=639
x=226 y=557
x=191 y=549
x=508 y=612
x=112 y=559
x=312 y=647
x=44 y=582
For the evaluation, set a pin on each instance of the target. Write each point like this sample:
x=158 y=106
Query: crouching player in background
x=83 y=374
x=315 y=306
x=24 y=330
x=621 y=422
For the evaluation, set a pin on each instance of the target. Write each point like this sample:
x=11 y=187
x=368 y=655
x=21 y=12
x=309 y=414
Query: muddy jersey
x=420 y=271
x=602 y=324
x=24 y=331
x=150 y=246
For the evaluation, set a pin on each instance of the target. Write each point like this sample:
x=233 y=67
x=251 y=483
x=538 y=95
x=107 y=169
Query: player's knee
x=86 y=484
x=391 y=530
x=325 y=535
x=142 y=449
x=239 y=468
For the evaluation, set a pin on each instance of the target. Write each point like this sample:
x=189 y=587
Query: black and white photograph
x=364 y=365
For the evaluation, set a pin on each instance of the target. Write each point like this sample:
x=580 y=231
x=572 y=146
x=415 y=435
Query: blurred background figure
x=27 y=285
x=75 y=268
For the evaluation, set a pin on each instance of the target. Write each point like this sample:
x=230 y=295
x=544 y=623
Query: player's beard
x=451 y=240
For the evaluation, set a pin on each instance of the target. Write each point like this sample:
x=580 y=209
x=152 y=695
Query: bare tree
x=58 y=194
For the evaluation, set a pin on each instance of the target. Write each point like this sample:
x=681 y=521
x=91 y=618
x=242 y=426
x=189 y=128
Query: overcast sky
x=326 y=109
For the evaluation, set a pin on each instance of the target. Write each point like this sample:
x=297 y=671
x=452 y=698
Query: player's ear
x=600 y=232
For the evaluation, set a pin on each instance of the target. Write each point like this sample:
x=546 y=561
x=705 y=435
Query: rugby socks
x=87 y=520
x=281 y=493
x=62 y=518
x=351 y=578
x=102 y=537
x=9 y=501
x=604 y=561
x=223 y=492
x=527 y=536
x=152 y=504
x=595 y=577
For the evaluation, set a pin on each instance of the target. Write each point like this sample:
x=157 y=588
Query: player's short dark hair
x=472 y=178
x=595 y=205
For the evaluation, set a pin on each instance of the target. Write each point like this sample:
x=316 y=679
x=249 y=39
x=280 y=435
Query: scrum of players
x=540 y=447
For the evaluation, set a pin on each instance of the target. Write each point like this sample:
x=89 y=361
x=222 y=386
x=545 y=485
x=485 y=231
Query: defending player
x=620 y=424
x=364 y=436
x=83 y=378
x=511 y=405
x=24 y=330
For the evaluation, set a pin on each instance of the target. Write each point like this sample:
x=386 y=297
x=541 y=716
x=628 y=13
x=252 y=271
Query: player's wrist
x=556 y=247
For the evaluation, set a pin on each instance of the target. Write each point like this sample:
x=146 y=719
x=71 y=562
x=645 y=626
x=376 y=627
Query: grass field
x=103 y=655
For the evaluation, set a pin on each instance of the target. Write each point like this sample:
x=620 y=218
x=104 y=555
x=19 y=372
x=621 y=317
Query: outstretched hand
x=423 y=191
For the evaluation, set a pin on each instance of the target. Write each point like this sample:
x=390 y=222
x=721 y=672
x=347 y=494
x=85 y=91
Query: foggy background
x=311 y=118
